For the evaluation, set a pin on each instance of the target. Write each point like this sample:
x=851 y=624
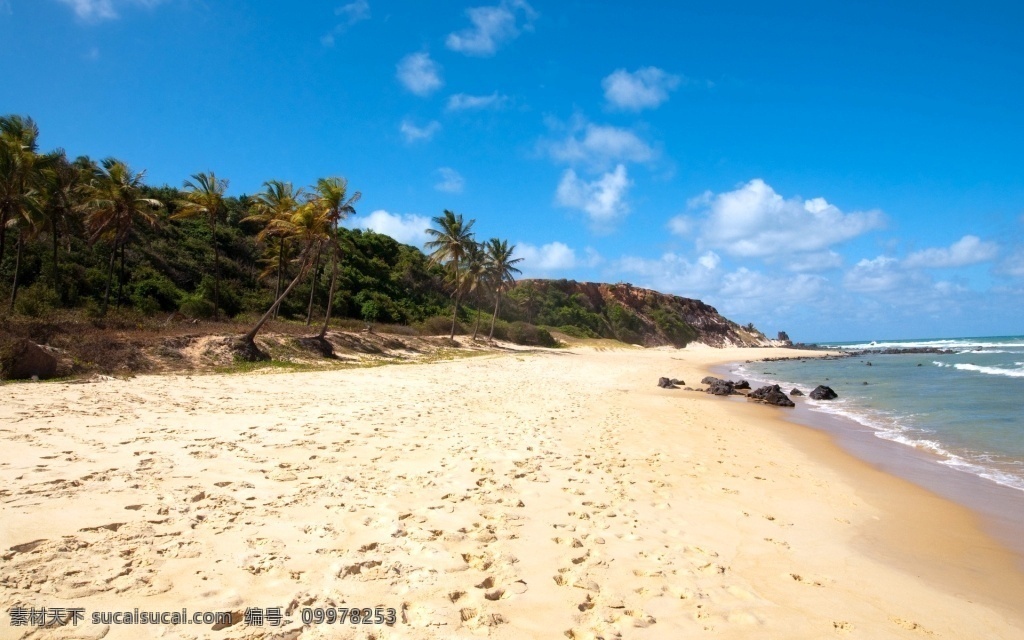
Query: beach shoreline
x=530 y=494
x=1000 y=507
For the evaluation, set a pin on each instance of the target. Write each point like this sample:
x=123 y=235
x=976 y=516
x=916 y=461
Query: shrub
x=577 y=332
x=36 y=300
x=675 y=329
x=440 y=326
x=530 y=335
x=195 y=306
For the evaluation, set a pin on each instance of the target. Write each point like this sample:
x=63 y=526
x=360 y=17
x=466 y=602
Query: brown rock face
x=21 y=359
x=655 y=318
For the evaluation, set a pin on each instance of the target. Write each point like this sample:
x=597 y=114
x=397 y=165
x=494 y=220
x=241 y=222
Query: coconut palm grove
x=89 y=241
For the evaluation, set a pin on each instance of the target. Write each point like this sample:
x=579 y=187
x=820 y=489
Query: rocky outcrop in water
x=772 y=395
x=822 y=392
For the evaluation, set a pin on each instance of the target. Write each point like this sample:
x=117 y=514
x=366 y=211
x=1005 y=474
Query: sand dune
x=531 y=495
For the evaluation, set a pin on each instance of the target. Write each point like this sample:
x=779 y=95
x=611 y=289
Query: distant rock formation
x=645 y=317
x=796 y=392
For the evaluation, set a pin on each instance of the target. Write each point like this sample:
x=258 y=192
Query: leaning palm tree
x=501 y=267
x=204 y=196
x=115 y=204
x=451 y=240
x=274 y=207
x=308 y=227
x=332 y=196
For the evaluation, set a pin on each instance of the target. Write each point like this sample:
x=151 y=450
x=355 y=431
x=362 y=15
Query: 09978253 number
x=353 y=615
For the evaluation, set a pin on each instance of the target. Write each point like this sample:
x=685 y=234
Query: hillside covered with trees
x=91 y=238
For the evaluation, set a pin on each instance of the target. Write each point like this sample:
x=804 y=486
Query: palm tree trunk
x=280 y=275
x=110 y=275
x=56 y=288
x=17 y=267
x=312 y=287
x=3 y=235
x=330 y=293
x=476 y=328
x=251 y=336
x=216 y=273
x=497 y=301
x=458 y=294
x=120 y=277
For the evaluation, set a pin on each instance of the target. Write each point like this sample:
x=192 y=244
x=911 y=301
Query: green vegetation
x=86 y=238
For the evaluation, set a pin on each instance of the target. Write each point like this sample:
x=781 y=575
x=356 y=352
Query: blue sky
x=848 y=171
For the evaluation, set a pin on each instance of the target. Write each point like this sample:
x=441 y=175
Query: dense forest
x=93 y=237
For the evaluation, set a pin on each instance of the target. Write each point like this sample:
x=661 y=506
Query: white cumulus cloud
x=465 y=102
x=415 y=133
x=554 y=256
x=599 y=146
x=603 y=199
x=407 y=228
x=451 y=181
x=674 y=273
x=645 y=88
x=965 y=251
x=754 y=221
x=419 y=74
x=876 y=275
x=491 y=27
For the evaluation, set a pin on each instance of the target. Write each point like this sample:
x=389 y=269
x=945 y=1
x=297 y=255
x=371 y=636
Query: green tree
x=63 y=190
x=501 y=270
x=19 y=185
x=204 y=196
x=115 y=204
x=274 y=208
x=451 y=240
x=308 y=227
x=332 y=196
x=473 y=277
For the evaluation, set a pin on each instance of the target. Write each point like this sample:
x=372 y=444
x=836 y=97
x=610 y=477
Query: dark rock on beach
x=742 y=384
x=796 y=392
x=822 y=392
x=666 y=383
x=772 y=395
x=719 y=387
x=21 y=359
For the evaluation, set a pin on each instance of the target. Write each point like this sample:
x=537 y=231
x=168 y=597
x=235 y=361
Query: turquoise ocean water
x=966 y=408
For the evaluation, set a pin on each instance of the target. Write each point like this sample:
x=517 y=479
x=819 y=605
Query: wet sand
x=539 y=494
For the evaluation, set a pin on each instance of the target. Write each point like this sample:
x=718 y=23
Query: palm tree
x=500 y=270
x=473 y=276
x=332 y=194
x=19 y=182
x=204 y=196
x=18 y=171
x=451 y=239
x=115 y=204
x=63 y=187
x=274 y=207
x=308 y=225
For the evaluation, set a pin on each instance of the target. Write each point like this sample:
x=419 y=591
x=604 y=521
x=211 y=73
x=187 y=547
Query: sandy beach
x=529 y=494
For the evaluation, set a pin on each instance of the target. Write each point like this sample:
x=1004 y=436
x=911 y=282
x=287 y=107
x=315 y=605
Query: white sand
x=539 y=495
